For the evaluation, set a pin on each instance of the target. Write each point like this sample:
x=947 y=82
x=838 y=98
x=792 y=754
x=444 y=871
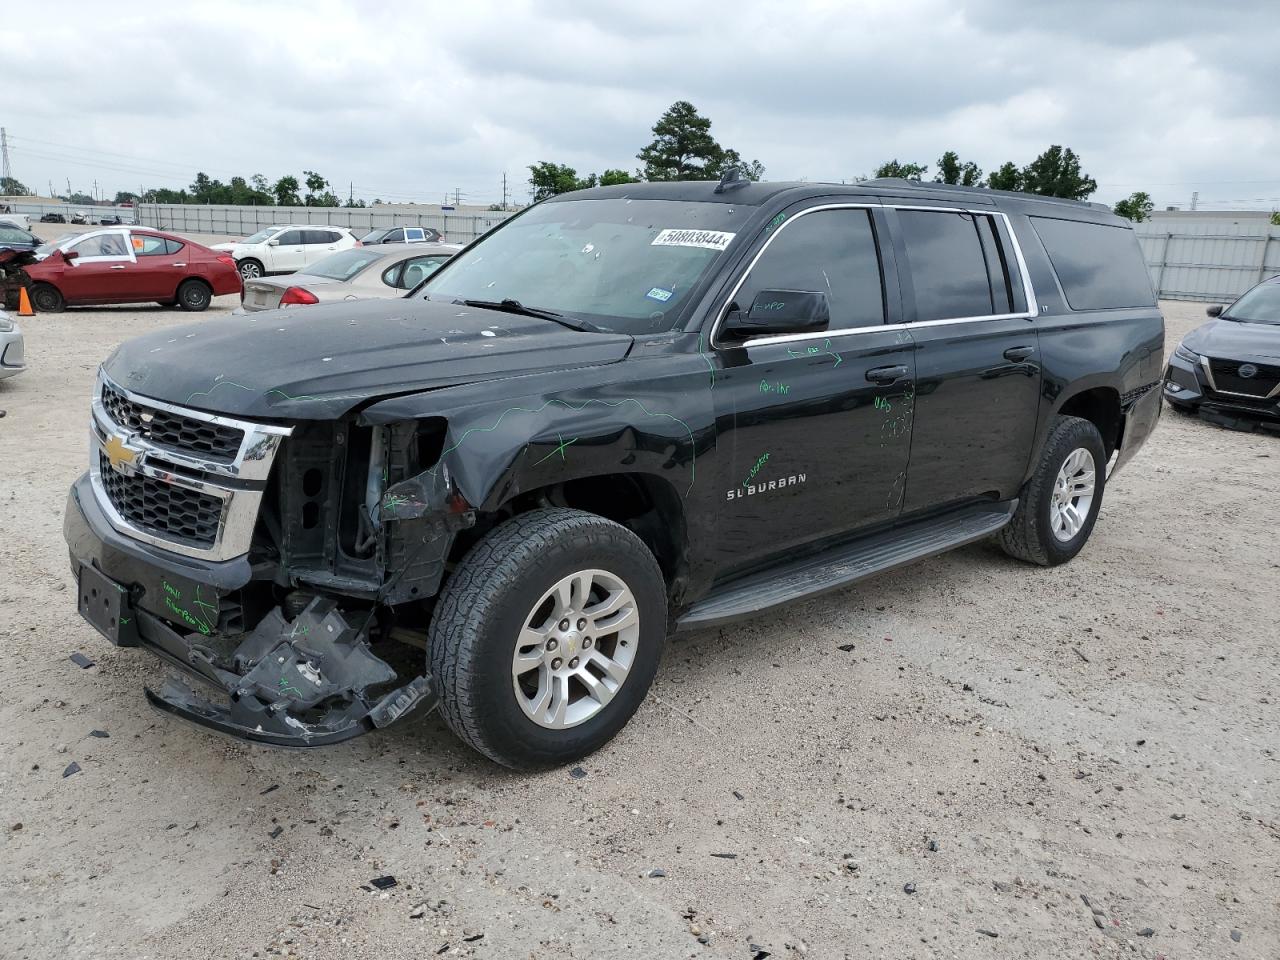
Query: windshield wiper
x=508 y=305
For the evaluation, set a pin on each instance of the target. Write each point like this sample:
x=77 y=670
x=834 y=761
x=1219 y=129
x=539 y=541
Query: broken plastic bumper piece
x=305 y=683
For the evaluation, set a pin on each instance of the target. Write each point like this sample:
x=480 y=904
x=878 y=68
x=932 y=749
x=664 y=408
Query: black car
x=109 y=220
x=403 y=235
x=53 y=218
x=1228 y=370
x=624 y=412
x=13 y=237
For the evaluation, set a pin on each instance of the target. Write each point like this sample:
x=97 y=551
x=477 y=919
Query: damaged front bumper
x=305 y=682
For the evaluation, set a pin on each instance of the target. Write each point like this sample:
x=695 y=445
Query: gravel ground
x=1060 y=763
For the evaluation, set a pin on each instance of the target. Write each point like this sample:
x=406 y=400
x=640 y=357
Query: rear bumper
x=305 y=682
x=1140 y=418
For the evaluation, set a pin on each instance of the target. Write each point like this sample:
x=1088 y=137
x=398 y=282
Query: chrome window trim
x=1030 y=313
x=241 y=494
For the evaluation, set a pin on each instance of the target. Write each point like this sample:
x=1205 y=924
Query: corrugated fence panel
x=1206 y=258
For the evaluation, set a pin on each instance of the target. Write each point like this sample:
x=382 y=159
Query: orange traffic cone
x=24 y=303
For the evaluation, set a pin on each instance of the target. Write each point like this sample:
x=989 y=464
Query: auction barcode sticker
x=707 y=239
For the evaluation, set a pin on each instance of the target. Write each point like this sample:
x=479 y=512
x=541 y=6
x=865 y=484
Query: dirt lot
x=1009 y=740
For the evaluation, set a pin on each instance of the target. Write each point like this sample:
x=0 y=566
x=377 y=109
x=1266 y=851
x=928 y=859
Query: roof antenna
x=731 y=179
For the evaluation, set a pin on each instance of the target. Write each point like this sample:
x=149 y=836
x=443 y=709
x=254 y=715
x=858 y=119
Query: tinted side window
x=148 y=246
x=832 y=252
x=172 y=246
x=291 y=238
x=1098 y=266
x=948 y=269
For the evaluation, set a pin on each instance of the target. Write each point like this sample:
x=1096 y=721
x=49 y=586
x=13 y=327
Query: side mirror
x=273 y=243
x=69 y=255
x=780 y=311
x=1214 y=311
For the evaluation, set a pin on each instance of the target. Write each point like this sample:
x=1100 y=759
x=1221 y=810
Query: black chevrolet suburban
x=626 y=412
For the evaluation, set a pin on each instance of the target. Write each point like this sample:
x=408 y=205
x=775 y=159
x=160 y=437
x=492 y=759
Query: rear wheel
x=1060 y=502
x=47 y=299
x=547 y=637
x=194 y=295
x=249 y=268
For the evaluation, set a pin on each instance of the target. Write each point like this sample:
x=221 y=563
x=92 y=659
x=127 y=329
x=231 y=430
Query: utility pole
x=351 y=193
x=95 y=189
x=457 y=196
x=1195 y=198
x=505 y=193
x=6 y=171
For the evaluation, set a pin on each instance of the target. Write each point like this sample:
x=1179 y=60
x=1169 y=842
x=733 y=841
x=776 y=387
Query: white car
x=286 y=249
x=22 y=220
x=11 y=359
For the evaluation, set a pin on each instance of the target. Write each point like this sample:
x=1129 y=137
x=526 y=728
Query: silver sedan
x=11 y=348
x=355 y=274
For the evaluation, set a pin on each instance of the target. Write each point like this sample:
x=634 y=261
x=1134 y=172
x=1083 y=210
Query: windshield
x=344 y=265
x=1259 y=305
x=374 y=236
x=47 y=248
x=262 y=235
x=623 y=265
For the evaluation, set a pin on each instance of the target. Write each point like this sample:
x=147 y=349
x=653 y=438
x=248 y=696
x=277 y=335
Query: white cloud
x=409 y=100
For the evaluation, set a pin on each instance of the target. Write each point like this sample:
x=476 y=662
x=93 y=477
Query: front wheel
x=1060 y=502
x=47 y=299
x=547 y=637
x=249 y=268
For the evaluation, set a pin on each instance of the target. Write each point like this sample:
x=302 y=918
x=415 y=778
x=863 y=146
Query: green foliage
x=12 y=187
x=163 y=195
x=547 y=179
x=1056 y=173
x=902 y=171
x=80 y=198
x=951 y=170
x=612 y=178
x=124 y=196
x=1275 y=218
x=683 y=149
x=1008 y=177
x=286 y=191
x=1136 y=207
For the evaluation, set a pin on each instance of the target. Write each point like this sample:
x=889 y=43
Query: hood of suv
x=318 y=362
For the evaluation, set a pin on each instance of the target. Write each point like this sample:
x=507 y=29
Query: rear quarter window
x=1099 y=266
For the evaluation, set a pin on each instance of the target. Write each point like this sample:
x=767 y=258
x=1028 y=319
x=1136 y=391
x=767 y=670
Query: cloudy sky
x=409 y=100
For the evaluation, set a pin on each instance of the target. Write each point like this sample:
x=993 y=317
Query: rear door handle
x=177 y=264
x=886 y=374
x=118 y=266
x=1018 y=354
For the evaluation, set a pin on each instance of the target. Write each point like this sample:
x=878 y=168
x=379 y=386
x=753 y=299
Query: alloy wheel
x=576 y=649
x=1072 y=495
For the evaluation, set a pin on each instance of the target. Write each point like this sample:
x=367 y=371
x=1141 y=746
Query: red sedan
x=129 y=265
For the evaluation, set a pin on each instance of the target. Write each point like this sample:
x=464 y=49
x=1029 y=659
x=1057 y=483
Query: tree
x=1008 y=177
x=11 y=187
x=612 y=178
x=1136 y=207
x=546 y=179
x=683 y=148
x=752 y=171
x=951 y=170
x=1056 y=173
x=286 y=191
x=903 y=171
x=124 y=196
x=80 y=198
x=1275 y=218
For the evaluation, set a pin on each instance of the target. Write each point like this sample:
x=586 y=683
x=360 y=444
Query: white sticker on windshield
x=706 y=239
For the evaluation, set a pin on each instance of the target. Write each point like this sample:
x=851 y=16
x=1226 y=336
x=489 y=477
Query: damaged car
x=625 y=412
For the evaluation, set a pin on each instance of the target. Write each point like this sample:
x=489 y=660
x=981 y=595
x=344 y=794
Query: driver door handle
x=118 y=266
x=886 y=374
x=1018 y=354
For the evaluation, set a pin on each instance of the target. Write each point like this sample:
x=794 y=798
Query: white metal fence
x=459 y=226
x=1212 y=258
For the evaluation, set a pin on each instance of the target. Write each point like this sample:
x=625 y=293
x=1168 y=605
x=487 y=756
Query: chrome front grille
x=181 y=479
x=173 y=431
x=162 y=509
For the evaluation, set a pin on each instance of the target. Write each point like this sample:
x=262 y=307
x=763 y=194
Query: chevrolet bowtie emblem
x=118 y=455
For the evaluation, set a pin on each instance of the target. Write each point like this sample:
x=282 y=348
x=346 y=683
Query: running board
x=845 y=564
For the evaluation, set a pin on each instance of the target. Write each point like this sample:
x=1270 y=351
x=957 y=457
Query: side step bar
x=845 y=564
